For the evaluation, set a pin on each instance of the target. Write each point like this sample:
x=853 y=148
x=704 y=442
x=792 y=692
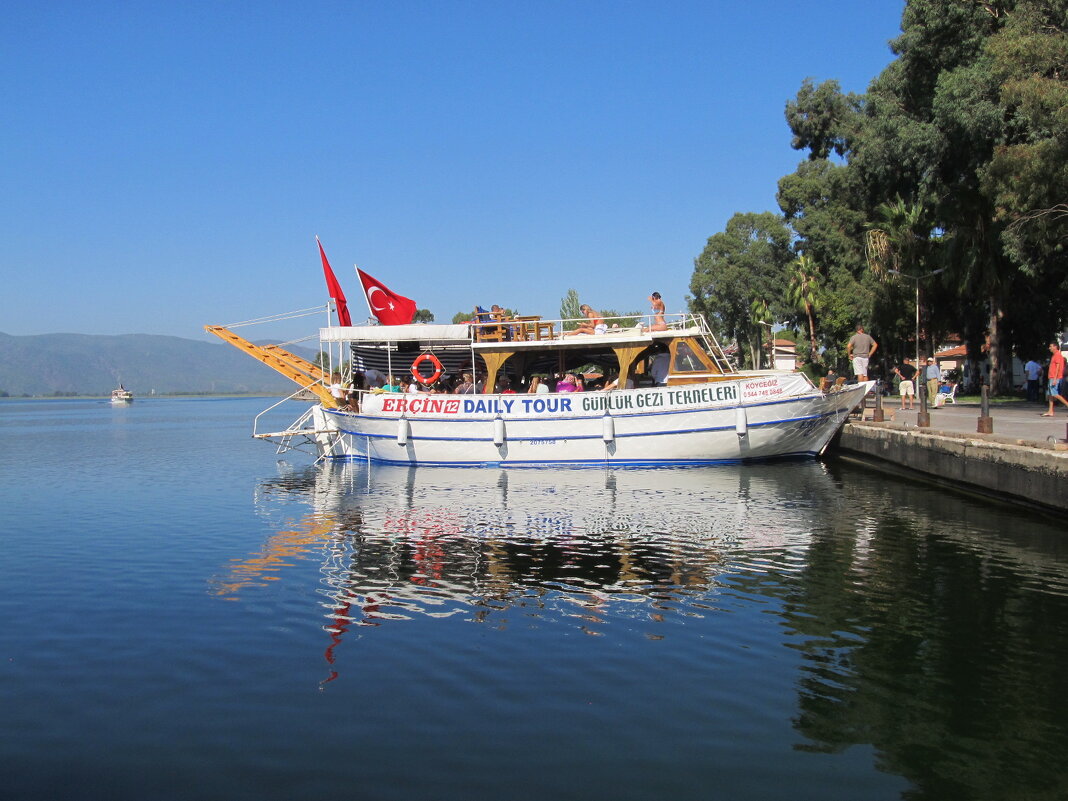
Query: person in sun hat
x=932 y=375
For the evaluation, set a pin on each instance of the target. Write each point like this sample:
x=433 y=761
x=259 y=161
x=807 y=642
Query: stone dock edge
x=1008 y=469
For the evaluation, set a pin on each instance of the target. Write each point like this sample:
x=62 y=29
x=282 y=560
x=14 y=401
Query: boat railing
x=256 y=420
x=537 y=328
x=712 y=347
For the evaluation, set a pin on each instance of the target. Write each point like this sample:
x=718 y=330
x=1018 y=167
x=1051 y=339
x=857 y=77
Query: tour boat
x=121 y=395
x=679 y=401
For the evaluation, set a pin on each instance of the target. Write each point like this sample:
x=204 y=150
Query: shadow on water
x=934 y=628
x=929 y=627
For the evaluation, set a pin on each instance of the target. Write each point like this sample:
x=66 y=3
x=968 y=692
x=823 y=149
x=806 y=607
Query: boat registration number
x=541 y=442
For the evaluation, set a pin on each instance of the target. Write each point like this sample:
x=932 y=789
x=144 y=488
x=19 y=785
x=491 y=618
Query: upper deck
x=532 y=345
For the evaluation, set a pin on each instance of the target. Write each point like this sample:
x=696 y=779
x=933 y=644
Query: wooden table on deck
x=532 y=328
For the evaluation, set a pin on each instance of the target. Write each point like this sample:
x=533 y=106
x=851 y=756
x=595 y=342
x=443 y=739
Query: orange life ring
x=434 y=376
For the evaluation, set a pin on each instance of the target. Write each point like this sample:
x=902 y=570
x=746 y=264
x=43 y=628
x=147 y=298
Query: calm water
x=184 y=616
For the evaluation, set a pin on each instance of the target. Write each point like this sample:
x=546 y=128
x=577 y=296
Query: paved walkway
x=1017 y=422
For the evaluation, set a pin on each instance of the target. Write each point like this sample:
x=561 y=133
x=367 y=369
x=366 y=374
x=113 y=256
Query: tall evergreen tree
x=747 y=261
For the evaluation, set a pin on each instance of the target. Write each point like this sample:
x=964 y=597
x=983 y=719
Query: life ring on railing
x=434 y=376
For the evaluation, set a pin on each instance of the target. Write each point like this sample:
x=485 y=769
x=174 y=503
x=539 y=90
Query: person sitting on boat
x=466 y=385
x=659 y=324
x=537 y=386
x=336 y=390
x=504 y=386
x=568 y=384
x=374 y=378
x=591 y=325
x=658 y=367
x=614 y=383
x=352 y=389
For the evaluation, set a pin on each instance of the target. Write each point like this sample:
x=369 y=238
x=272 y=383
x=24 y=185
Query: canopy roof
x=420 y=332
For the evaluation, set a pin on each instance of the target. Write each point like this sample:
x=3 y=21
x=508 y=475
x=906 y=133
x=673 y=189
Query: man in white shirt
x=658 y=368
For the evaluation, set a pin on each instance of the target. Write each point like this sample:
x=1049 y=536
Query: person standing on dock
x=932 y=375
x=906 y=372
x=1055 y=376
x=860 y=349
x=1033 y=370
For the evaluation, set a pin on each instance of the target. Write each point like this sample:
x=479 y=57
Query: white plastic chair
x=942 y=398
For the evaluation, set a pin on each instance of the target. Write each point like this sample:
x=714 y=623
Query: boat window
x=686 y=360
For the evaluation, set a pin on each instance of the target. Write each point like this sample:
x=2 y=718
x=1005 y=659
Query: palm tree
x=898 y=238
x=758 y=315
x=897 y=245
x=804 y=284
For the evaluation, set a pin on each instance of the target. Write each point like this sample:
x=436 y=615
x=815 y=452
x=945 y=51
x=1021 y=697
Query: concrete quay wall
x=1015 y=471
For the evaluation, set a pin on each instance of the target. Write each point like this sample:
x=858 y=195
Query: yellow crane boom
x=288 y=364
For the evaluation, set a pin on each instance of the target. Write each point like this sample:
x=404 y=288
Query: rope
x=283 y=316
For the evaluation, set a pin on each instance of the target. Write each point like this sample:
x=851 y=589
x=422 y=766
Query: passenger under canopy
x=688 y=361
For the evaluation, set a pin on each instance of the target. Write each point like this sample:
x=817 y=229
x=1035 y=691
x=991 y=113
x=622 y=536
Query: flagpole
x=330 y=304
x=370 y=312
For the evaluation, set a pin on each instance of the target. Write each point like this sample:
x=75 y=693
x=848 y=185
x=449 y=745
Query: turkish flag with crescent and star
x=389 y=307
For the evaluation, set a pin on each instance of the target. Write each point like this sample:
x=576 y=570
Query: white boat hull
x=753 y=418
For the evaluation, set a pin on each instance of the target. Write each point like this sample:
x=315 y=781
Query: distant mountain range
x=85 y=364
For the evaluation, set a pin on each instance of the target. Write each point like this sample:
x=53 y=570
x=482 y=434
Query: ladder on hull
x=300 y=435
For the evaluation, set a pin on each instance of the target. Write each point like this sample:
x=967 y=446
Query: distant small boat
x=121 y=395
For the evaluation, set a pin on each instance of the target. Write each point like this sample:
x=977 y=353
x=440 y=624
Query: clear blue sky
x=168 y=164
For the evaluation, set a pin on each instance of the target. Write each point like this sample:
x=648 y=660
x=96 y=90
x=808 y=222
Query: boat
x=679 y=402
x=121 y=396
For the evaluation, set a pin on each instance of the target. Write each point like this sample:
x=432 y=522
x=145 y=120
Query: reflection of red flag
x=334 y=289
x=389 y=307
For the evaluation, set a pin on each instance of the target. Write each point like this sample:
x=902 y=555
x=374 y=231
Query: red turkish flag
x=389 y=307
x=334 y=288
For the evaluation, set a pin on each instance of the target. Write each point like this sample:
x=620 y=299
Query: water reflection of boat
x=396 y=542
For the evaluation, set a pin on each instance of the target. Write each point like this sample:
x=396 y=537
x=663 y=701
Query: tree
x=1028 y=173
x=803 y=289
x=569 y=308
x=622 y=319
x=762 y=351
x=970 y=122
x=744 y=263
x=821 y=119
x=931 y=122
x=423 y=316
x=823 y=203
x=900 y=247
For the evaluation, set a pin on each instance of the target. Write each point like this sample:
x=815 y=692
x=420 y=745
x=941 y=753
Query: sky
x=166 y=165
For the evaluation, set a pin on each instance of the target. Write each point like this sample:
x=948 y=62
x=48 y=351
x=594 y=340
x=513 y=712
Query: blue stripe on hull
x=663 y=432
x=600 y=463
